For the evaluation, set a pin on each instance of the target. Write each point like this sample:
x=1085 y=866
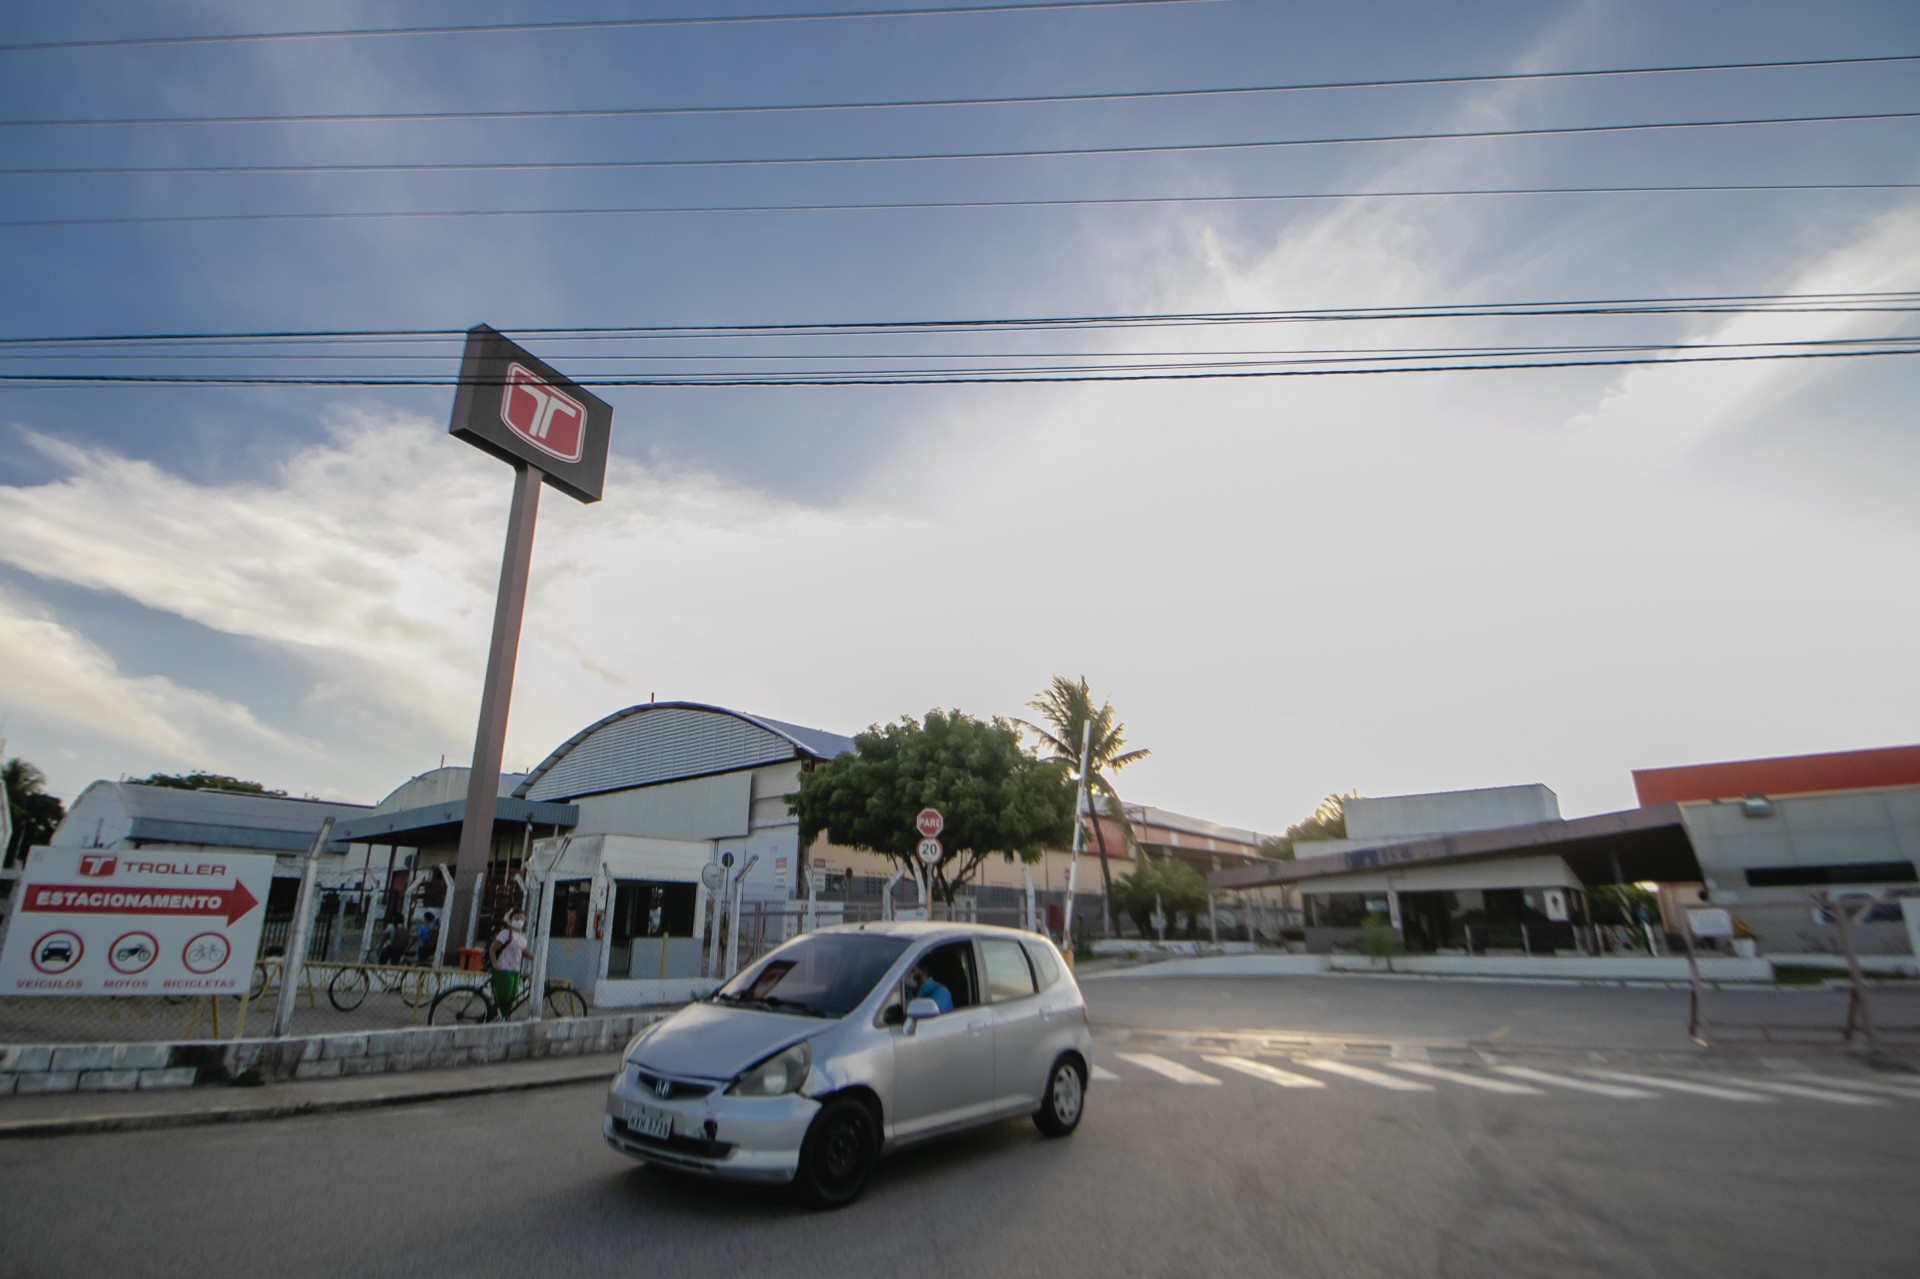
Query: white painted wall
x=1802 y=830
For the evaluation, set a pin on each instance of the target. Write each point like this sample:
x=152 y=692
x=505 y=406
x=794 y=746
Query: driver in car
x=921 y=985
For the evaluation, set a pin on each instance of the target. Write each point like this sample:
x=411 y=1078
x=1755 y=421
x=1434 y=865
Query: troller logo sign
x=518 y=408
x=543 y=415
x=93 y=923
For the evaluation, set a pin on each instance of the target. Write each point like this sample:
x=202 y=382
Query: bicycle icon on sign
x=207 y=953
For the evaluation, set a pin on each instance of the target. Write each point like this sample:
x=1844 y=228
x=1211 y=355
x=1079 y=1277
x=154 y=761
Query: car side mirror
x=922 y=1008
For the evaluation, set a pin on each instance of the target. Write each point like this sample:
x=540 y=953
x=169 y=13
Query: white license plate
x=650 y=1123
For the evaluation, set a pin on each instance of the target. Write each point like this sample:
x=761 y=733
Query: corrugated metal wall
x=652 y=746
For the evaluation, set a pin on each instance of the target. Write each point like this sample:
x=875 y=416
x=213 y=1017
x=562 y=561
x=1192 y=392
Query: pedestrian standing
x=504 y=956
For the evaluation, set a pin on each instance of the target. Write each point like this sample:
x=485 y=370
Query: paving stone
x=70 y=1057
x=109 y=1080
x=172 y=1077
x=335 y=1046
x=46 y=1081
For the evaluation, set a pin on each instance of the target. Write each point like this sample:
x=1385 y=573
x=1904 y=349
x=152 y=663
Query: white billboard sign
x=97 y=922
x=1711 y=922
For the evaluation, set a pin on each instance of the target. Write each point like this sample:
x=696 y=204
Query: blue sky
x=1288 y=587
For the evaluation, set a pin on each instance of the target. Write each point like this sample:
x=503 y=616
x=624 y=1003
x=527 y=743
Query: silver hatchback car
x=852 y=1041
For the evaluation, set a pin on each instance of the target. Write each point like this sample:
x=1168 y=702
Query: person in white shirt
x=504 y=956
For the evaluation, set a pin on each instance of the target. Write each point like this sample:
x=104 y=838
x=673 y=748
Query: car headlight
x=777 y=1076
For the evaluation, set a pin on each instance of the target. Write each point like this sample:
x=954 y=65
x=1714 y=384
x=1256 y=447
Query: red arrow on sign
x=61 y=899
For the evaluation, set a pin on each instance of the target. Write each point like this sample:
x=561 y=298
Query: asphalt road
x=1168 y=1175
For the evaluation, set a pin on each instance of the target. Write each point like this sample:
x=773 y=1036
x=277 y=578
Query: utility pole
x=1079 y=838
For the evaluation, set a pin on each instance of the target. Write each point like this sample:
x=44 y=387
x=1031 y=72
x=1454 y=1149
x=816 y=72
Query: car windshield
x=820 y=975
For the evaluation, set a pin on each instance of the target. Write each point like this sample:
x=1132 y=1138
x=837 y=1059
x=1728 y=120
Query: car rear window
x=1045 y=967
x=1008 y=976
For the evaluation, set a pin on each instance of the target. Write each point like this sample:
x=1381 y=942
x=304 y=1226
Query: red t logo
x=97 y=864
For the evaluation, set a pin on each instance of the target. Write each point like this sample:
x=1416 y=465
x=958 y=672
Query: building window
x=1845 y=873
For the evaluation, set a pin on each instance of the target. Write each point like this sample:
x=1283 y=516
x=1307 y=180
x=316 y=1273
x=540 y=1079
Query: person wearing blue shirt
x=921 y=985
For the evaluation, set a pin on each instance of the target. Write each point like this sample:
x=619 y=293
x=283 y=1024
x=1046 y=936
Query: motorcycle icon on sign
x=133 y=953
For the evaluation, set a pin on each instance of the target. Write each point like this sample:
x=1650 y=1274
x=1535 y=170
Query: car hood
x=713 y=1041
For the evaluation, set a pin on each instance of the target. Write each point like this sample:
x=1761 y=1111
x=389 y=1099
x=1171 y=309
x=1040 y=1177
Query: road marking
x=1680 y=1085
x=1104 y=1075
x=1365 y=1076
x=1409 y=1052
x=1892 y=1090
x=1583 y=1085
x=1462 y=1077
x=1272 y=1074
x=1815 y=1094
x=1171 y=1069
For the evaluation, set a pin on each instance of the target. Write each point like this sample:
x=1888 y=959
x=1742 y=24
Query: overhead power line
x=609 y=24
x=1034 y=153
x=1851 y=302
x=592 y=113
x=1060 y=202
x=949 y=379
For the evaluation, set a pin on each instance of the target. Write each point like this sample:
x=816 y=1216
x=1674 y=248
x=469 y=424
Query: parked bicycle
x=351 y=985
x=466 y=1005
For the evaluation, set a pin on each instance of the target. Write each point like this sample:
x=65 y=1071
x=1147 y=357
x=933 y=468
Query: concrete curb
x=226 y=1109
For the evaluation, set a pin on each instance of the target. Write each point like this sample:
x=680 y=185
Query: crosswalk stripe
x=1171 y=1069
x=1816 y=1094
x=1272 y=1074
x=1365 y=1076
x=1861 y=1085
x=1583 y=1085
x=1462 y=1077
x=1682 y=1085
x=1104 y=1075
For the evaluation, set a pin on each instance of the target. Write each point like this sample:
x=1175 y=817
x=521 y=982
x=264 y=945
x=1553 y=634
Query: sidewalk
x=59 y=1114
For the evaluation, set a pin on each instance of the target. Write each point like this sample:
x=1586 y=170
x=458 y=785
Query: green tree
x=207 y=781
x=997 y=799
x=1177 y=888
x=1327 y=821
x=1067 y=708
x=32 y=812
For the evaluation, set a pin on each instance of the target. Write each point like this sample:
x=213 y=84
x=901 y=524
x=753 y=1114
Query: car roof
x=917 y=929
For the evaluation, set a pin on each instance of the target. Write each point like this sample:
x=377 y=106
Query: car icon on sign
x=58 y=951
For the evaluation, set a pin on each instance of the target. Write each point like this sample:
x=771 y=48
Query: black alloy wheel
x=838 y=1155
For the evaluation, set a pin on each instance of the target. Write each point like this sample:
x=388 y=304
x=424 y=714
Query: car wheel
x=1065 y=1099
x=838 y=1155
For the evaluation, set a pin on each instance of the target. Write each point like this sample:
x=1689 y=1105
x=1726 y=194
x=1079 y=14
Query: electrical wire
x=943 y=379
x=1052 y=99
x=1852 y=302
x=895 y=206
x=608 y=24
x=1038 y=153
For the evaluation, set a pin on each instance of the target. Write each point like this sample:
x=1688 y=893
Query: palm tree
x=1067 y=708
x=29 y=807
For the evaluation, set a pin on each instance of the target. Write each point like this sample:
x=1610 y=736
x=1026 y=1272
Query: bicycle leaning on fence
x=462 y=1005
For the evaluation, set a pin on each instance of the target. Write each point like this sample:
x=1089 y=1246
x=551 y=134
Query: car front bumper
x=736 y=1138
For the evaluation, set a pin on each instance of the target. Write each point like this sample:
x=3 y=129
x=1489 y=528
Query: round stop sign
x=930 y=823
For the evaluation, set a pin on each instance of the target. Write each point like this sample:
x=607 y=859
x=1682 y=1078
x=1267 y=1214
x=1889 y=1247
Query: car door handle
x=975 y=1027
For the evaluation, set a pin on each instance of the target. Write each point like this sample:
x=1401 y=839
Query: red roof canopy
x=1787 y=775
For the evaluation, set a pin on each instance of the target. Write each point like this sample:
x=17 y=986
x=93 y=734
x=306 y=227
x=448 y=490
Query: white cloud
x=56 y=676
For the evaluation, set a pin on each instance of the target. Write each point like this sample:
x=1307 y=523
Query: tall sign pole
x=551 y=431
